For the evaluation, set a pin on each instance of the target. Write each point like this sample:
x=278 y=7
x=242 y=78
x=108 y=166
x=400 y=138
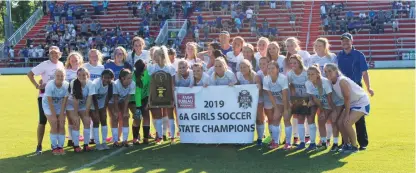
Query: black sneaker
x=70 y=143
x=125 y=144
x=344 y=148
x=38 y=149
x=92 y=142
x=362 y=148
x=352 y=149
x=334 y=147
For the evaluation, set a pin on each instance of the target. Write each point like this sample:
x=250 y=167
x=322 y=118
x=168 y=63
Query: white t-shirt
x=87 y=90
x=184 y=82
x=153 y=68
x=47 y=71
x=144 y=56
x=95 y=71
x=203 y=81
x=234 y=61
x=228 y=78
x=358 y=97
x=282 y=64
x=298 y=81
x=121 y=91
x=244 y=81
x=321 y=61
x=39 y=53
x=323 y=10
x=11 y=52
x=249 y=13
x=100 y=93
x=323 y=97
x=305 y=57
x=257 y=56
x=57 y=94
x=277 y=87
x=70 y=74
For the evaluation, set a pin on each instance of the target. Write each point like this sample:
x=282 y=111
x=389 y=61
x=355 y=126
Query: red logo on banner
x=186 y=101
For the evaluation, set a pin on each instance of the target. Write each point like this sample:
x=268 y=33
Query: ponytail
x=77 y=89
x=110 y=86
x=140 y=67
x=110 y=91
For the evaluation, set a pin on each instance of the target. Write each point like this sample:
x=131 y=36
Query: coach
x=352 y=64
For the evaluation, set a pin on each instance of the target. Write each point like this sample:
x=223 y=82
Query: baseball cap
x=347 y=36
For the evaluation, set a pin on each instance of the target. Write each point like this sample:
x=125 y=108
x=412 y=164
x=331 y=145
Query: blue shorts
x=363 y=109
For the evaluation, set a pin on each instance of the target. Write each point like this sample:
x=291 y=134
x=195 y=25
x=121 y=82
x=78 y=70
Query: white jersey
x=95 y=71
x=57 y=94
x=282 y=64
x=305 y=57
x=100 y=93
x=321 y=61
x=358 y=97
x=203 y=81
x=298 y=81
x=323 y=97
x=47 y=71
x=87 y=90
x=276 y=88
x=121 y=91
x=167 y=68
x=257 y=56
x=184 y=82
x=244 y=81
x=211 y=70
x=228 y=78
x=70 y=74
x=234 y=61
x=262 y=96
x=144 y=56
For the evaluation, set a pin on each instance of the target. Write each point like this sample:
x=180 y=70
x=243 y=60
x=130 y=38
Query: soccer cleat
x=125 y=144
x=344 y=148
x=55 y=151
x=87 y=148
x=311 y=146
x=92 y=142
x=323 y=146
x=301 y=146
x=136 y=141
x=287 y=147
x=38 y=149
x=362 y=148
x=158 y=141
x=273 y=145
x=145 y=141
x=116 y=145
x=352 y=149
x=77 y=149
x=259 y=142
x=61 y=151
x=70 y=143
x=334 y=147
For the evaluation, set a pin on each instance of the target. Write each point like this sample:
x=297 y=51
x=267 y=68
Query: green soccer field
x=390 y=125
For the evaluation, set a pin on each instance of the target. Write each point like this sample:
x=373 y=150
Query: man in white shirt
x=323 y=10
x=11 y=52
x=249 y=13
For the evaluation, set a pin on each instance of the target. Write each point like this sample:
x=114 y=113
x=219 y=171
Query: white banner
x=217 y=114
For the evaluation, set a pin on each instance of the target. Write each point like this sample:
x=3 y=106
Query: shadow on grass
x=181 y=158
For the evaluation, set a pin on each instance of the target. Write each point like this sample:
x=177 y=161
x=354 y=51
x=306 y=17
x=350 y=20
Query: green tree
x=20 y=14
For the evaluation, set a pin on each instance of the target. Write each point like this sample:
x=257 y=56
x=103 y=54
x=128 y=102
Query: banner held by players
x=217 y=114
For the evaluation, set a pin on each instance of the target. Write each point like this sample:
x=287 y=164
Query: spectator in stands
x=288 y=4
x=219 y=23
x=29 y=42
x=388 y=15
x=349 y=15
x=332 y=9
x=117 y=30
x=11 y=52
x=373 y=27
x=224 y=7
x=274 y=34
x=343 y=26
x=395 y=25
x=292 y=21
x=351 y=26
x=273 y=4
x=325 y=25
x=56 y=14
x=105 y=6
x=39 y=51
x=32 y=52
x=86 y=15
x=265 y=24
x=323 y=11
x=412 y=9
x=381 y=19
x=130 y=7
x=62 y=28
x=371 y=15
x=362 y=16
x=84 y=29
x=206 y=31
x=250 y=13
x=253 y=26
x=238 y=23
x=69 y=14
x=63 y=15
x=333 y=24
x=200 y=21
x=196 y=33
x=70 y=26
x=93 y=27
x=48 y=27
x=78 y=13
x=67 y=36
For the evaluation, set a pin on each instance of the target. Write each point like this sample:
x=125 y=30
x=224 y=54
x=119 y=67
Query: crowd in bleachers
x=334 y=23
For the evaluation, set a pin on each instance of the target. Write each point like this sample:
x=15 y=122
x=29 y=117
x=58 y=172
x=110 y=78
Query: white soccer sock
x=75 y=137
x=54 y=140
x=307 y=129
x=328 y=130
x=335 y=140
x=61 y=140
x=295 y=127
x=277 y=140
x=159 y=128
x=165 y=125
x=125 y=134
x=104 y=132
x=312 y=132
x=271 y=131
x=114 y=131
x=301 y=130
x=172 y=128
x=288 y=132
x=260 y=131
x=91 y=130
x=69 y=132
x=86 y=136
x=96 y=135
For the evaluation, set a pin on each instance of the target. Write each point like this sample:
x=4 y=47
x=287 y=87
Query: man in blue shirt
x=200 y=21
x=353 y=65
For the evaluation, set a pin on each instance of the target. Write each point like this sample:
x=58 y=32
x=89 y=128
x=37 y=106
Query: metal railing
x=402 y=41
x=309 y=26
x=172 y=25
x=23 y=29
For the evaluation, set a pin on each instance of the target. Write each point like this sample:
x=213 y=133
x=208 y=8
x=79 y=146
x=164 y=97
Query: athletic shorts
x=42 y=117
x=363 y=109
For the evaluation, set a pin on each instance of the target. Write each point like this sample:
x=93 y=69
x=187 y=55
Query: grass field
x=391 y=130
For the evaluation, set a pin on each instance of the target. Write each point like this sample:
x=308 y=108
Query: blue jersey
x=116 y=69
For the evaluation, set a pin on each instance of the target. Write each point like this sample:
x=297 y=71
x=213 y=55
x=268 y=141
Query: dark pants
x=361 y=130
